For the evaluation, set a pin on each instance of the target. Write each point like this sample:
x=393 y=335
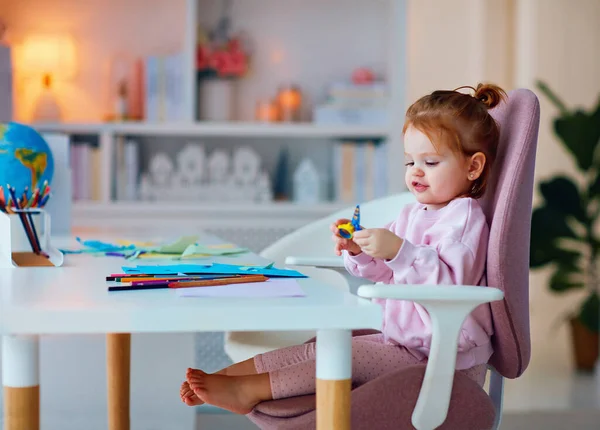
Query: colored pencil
x=137 y=287
x=2 y=200
x=187 y=278
x=22 y=217
x=216 y=282
x=35 y=235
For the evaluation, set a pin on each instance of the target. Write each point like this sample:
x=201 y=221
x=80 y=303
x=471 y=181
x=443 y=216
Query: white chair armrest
x=448 y=306
x=433 y=293
x=325 y=262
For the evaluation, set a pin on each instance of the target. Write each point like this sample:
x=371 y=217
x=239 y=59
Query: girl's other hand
x=378 y=243
x=341 y=243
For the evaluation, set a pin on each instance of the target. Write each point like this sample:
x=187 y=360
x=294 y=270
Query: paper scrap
x=216 y=268
x=270 y=288
x=179 y=246
x=204 y=250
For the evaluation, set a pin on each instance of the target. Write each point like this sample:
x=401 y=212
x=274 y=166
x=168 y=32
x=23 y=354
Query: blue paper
x=220 y=269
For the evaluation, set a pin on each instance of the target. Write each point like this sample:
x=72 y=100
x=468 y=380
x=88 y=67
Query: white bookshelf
x=376 y=31
x=207 y=215
x=222 y=129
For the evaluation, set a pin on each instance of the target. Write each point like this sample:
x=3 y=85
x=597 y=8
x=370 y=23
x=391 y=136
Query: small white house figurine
x=307 y=183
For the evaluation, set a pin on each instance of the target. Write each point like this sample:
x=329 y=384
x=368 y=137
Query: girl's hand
x=341 y=243
x=378 y=242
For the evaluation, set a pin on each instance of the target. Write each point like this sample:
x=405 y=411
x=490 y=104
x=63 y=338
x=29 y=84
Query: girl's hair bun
x=489 y=94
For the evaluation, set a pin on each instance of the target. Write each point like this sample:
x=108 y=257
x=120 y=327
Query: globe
x=25 y=158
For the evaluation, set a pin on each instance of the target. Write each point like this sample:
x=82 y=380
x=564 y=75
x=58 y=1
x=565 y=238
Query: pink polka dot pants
x=292 y=369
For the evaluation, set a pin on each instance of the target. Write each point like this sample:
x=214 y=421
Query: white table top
x=74 y=299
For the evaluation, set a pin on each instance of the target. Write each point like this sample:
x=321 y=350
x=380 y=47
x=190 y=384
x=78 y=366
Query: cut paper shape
x=177 y=247
x=96 y=246
x=216 y=268
x=203 y=250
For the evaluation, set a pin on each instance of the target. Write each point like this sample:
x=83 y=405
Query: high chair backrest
x=507 y=204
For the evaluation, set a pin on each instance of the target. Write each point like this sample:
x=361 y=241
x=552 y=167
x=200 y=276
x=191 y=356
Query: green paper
x=207 y=250
x=179 y=246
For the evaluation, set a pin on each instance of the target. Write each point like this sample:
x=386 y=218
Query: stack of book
x=164 y=88
x=356 y=104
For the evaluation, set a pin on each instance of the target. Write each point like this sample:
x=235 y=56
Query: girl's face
x=437 y=176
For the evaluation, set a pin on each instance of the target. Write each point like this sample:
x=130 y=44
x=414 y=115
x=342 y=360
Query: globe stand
x=14 y=246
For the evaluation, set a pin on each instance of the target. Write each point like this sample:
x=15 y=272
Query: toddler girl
x=450 y=143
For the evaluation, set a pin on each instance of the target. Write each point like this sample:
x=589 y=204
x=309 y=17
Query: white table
x=74 y=299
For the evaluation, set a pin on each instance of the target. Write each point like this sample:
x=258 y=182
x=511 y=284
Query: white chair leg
x=496 y=394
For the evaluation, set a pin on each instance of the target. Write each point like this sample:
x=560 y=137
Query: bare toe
x=226 y=392
x=188 y=396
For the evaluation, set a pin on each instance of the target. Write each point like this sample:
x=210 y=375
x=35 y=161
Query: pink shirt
x=445 y=246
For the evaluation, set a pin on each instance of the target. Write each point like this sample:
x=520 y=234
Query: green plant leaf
x=594 y=188
x=580 y=133
x=548 y=224
x=550 y=252
x=554 y=99
x=566 y=277
x=562 y=195
x=589 y=314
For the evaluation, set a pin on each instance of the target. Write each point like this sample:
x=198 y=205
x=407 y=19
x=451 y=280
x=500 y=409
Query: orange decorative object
x=267 y=111
x=290 y=103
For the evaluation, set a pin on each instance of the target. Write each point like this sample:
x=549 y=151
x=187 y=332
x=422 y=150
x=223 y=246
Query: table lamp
x=49 y=58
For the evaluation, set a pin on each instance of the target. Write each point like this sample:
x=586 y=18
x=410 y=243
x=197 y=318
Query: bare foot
x=238 y=394
x=188 y=396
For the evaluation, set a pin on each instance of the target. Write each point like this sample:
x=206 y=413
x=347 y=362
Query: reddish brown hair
x=462 y=122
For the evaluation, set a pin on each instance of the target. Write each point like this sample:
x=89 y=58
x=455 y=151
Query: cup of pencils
x=27 y=216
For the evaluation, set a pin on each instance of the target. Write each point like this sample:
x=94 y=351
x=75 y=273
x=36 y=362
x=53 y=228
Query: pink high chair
x=434 y=395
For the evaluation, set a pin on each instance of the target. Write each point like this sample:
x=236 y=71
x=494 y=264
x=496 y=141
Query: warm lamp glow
x=49 y=55
x=290 y=103
x=48 y=58
x=267 y=111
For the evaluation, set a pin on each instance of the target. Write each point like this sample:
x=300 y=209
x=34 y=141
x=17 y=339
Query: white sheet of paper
x=272 y=288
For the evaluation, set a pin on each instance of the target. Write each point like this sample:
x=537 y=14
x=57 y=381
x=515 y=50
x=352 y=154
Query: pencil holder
x=17 y=247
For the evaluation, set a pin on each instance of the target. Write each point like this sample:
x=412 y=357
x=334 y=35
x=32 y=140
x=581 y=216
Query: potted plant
x=564 y=231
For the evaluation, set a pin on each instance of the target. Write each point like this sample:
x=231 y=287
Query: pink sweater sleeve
x=373 y=269
x=454 y=260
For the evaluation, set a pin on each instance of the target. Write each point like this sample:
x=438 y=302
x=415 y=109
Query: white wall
x=455 y=43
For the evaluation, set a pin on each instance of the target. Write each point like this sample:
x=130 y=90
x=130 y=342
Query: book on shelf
x=359 y=170
x=85 y=168
x=127 y=169
x=164 y=88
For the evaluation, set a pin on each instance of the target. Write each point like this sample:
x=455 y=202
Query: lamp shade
x=49 y=55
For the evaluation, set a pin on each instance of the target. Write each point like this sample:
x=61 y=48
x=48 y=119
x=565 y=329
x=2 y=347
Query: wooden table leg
x=118 y=357
x=334 y=379
x=20 y=376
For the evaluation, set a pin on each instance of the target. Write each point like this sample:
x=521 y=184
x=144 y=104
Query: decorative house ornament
x=199 y=177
